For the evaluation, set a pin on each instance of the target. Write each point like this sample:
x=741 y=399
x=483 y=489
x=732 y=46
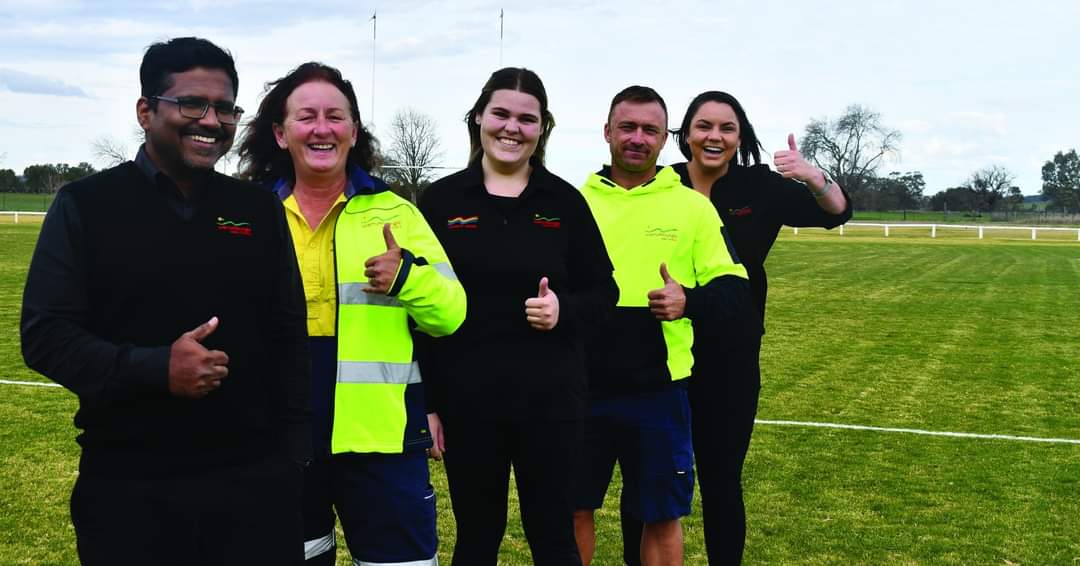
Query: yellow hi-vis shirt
x=375 y=365
x=315 y=255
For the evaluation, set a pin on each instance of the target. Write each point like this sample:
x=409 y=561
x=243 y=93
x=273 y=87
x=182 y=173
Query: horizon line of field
x=809 y=424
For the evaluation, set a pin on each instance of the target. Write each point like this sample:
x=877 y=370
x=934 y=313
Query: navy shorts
x=386 y=504
x=649 y=435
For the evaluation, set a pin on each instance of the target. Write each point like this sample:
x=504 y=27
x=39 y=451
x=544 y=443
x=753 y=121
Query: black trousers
x=246 y=514
x=723 y=404
x=544 y=455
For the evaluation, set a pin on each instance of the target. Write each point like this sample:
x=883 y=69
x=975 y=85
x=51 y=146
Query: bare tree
x=850 y=148
x=414 y=150
x=110 y=151
x=991 y=184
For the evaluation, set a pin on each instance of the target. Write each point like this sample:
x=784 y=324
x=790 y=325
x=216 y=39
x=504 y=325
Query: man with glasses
x=167 y=297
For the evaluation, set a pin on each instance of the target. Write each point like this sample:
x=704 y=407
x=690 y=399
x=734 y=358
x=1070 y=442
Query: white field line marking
x=37 y=383
x=801 y=423
x=922 y=432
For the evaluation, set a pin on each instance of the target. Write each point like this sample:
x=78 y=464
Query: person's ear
x=279 y=135
x=143 y=112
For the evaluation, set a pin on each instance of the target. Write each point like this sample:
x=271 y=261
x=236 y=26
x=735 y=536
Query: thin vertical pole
x=500 y=38
x=374 y=23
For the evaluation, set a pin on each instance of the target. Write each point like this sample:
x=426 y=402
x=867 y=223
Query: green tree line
x=44 y=178
x=853 y=147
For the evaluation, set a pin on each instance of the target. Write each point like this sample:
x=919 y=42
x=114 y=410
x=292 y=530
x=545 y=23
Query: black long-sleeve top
x=124 y=264
x=754 y=203
x=496 y=365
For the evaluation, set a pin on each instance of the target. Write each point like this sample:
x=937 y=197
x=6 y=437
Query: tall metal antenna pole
x=500 y=38
x=374 y=23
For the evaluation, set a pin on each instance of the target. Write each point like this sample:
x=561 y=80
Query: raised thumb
x=791 y=142
x=665 y=275
x=543 y=287
x=391 y=243
x=205 y=329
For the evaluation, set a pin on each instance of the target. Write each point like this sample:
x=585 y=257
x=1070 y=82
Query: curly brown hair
x=262 y=161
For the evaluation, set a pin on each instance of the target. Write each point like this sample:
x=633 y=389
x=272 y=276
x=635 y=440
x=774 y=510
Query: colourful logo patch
x=233 y=227
x=463 y=222
x=545 y=222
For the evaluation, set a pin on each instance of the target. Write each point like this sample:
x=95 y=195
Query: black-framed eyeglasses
x=196 y=108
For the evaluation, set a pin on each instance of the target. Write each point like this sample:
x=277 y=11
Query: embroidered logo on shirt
x=669 y=234
x=463 y=222
x=545 y=222
x=740 y=212
x=234 y=227
x=376 y=220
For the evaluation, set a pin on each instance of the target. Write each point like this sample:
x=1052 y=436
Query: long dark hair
x=521 y=80
x=749 y=146
x=262 y=161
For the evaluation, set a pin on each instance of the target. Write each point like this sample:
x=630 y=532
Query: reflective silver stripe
x=354 y=294
x=445 y=270
x=315 y=547
x=433 y=561
x=378 y=372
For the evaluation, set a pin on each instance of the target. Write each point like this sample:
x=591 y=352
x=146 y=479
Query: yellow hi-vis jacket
x=660 y=221
x=375 y=362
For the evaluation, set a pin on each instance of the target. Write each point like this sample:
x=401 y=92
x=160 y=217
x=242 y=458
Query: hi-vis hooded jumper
x=659 y=221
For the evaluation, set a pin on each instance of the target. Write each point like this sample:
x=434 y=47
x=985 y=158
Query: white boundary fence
x=935 y=227
x=17 y=214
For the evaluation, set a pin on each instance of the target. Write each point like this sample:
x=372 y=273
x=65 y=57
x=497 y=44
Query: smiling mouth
x=204 y=139
x=717 y=151
x=508 y=142
x=321 y=146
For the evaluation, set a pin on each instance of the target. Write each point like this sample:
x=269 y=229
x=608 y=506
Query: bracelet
x=828 y=187
x=823 y=192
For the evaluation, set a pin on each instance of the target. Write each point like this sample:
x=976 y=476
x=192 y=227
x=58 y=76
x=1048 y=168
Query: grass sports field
x=27 y=202
x=946 y=335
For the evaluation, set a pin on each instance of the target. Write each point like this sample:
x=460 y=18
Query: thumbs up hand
x=542 y=311
x=382 y=269
x=791 y=165
x=195 y=371
x=669 y=301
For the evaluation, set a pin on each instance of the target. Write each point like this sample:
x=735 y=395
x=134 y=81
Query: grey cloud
x=27 y=83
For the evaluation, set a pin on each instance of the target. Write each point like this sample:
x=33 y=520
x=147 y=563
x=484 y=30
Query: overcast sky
x=968 y=83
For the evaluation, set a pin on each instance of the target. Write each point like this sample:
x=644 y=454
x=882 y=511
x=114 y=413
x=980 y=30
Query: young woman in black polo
x=510 y=384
